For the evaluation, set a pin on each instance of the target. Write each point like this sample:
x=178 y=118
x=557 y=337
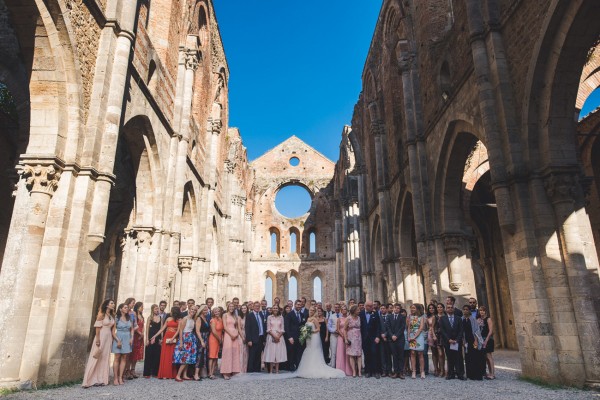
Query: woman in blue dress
x=415 y=324
x=123 y=340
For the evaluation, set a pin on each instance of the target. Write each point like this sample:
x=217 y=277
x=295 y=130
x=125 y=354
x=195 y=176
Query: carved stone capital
x=192 y=60
x=229 y=166
x=455 y=286
x=453 y=242
x=562 y=187
x=41 y=178
x=143 y=238
x=238 y=201
x=184 y=263
x=215 y=126
x=248 y=216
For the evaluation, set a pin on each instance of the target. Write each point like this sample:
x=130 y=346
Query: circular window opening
x=294 y=161
x=293 y=201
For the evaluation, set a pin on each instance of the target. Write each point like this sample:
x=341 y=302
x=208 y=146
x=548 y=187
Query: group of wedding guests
x=378 y=339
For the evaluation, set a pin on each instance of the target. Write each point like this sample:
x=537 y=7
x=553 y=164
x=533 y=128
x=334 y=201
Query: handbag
x=96 y=352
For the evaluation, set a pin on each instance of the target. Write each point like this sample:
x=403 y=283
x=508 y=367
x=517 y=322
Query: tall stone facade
x=120 y=176
x=462 y=172
x=282 y=246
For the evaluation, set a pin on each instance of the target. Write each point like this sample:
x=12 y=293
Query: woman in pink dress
x=230 y=358
x=98 y=365
x=353 y=341
x=243 y=347
x=275 y=351
x=341 y=359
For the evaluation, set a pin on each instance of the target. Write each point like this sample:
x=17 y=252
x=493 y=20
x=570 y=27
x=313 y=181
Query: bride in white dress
x=312 y=365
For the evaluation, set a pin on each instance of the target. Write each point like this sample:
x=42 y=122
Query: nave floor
x=506 y=386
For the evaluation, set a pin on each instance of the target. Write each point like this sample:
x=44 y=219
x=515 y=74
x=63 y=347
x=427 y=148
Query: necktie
x=395 y=317
x=337 y=315
x=258 y=322
x=451 y=320
x=298 y=316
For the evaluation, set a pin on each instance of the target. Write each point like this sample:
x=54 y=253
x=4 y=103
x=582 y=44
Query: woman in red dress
x=138 y=336
x=214 y=342
x=166 y=369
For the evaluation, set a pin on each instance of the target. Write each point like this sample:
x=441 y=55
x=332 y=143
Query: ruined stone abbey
x=465 y=171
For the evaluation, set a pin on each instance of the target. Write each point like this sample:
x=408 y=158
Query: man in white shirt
x=333 y=334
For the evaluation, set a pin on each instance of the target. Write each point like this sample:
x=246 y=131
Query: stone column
x=562 y=189
x=17 y=282
x=114 y=110
x=143 y=244
x=185 y=265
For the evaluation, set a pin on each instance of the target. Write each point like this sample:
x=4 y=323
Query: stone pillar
x=143 y=244
x=185 y=266
x=562 y=189
x=17 y=282
x=114 y=109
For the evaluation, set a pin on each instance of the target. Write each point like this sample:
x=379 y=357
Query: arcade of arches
x=466 y=171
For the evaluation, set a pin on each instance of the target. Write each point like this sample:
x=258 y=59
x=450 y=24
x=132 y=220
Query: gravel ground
x=262 y=386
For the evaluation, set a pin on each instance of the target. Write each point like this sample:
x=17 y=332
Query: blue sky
x=295 y=68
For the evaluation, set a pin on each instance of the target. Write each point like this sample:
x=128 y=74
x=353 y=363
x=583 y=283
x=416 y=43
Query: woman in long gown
x=202 y=332
x=230 y=356
x=138 y=334
x=243 y=347
x=168 y=370
x=312 y=365
x=214 y=342
x=98 y=366
x=152 y=358
x=275 y=351
x=354 y=341
x=341 y=359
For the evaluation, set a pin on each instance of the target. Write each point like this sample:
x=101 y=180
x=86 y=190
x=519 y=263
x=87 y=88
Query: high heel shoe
x=422 y=375
x=414 y=376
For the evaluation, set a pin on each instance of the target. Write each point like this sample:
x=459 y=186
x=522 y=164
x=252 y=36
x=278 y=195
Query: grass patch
x=6 y=391
x=547 y=385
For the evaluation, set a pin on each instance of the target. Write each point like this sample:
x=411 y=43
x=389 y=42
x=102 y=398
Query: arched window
x=274 y=237
x=269 y=290
x=313 y=243
x=317 y=288
x=294 y=240
x=293 y=288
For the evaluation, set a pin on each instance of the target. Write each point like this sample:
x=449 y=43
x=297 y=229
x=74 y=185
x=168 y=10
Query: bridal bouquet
x=305 y=333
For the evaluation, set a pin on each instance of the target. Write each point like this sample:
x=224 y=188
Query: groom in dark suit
x=370 y=332
x=452 y=337
x=255 y=334
x=293 y=321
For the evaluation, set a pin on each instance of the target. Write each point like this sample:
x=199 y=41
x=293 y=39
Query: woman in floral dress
x=415 y=323
x=186 y=350
x=354 y=341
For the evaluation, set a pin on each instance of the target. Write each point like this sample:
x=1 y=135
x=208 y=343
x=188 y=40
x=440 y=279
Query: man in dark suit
x=452 y=336
x=370 y=331
x=395 y=326
x=292 y=323
x=254 y=337
x=384 y=345
x=451 y=300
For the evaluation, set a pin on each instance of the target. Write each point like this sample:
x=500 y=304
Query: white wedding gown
x=312 y=365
